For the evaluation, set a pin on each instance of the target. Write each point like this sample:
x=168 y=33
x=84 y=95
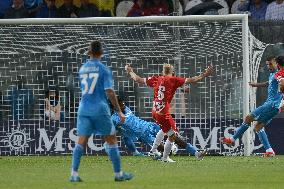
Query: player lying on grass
x=134 y=129
x=264 y=113
x=165 y=87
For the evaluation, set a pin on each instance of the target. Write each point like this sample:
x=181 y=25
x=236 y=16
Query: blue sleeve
x=127 y=110
x=115 y=119
x=108 y=81
x=243 y=7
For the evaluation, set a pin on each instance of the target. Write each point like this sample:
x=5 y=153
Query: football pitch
x=52 y=172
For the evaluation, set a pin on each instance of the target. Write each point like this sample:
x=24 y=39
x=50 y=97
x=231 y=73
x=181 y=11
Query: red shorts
x=165 y=121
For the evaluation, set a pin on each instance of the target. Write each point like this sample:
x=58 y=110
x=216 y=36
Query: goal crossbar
x=123 y=19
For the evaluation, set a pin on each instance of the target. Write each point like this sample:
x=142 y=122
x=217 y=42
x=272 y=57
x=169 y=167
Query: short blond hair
x=168 y=69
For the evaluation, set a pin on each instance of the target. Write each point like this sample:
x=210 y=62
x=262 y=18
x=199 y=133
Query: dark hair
x=51 y=89
x=270 y=58
x=280 y=60
x=96 y=48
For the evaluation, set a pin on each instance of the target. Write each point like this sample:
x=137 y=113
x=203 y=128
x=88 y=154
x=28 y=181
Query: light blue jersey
x=134 y=127
x=269 y=109
x=273 y=93
x=95 y=78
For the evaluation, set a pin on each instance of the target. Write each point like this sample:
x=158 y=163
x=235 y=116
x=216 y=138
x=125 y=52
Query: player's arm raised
x=112 y=98
x=208 y=71
x=133 y=75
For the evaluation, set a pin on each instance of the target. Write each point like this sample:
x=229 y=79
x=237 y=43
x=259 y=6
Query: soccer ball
x=174 y=149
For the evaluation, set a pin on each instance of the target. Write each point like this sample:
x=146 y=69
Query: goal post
x=39 y=54
x=248 y=146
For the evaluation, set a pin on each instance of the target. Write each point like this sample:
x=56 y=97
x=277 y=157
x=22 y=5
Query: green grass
x=187 y=172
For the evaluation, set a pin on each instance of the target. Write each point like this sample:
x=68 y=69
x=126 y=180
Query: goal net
x=41 y=54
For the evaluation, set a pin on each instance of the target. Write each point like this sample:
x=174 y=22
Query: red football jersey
x=164 y=90
x=279 y=75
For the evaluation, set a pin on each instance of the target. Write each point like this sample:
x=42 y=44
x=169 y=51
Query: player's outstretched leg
x=111 y=149
x=190 y=149
x=131 y=146
x=239 y=133
x=76 y=157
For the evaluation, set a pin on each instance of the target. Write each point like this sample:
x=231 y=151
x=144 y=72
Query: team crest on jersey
x=17 y=140
x=159 y=106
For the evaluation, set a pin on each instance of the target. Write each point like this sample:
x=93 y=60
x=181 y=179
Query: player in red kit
x=280 y=78
x=164 y=89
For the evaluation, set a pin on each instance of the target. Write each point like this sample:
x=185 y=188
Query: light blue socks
x=240 y=131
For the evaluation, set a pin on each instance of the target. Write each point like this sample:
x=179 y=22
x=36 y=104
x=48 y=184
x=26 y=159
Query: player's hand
x=128 y=68
x=252 y=84
x=122 y=117
x=208 y=71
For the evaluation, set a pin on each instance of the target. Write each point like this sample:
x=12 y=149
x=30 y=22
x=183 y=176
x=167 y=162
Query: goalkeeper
x=135 y=129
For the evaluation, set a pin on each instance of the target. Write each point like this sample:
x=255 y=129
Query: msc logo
x=17 y=140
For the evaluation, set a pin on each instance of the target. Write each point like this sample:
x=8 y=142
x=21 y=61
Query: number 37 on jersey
x=88 y=82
